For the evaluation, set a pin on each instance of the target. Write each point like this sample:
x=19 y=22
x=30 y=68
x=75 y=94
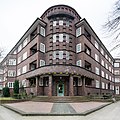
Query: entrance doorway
x=60 y=89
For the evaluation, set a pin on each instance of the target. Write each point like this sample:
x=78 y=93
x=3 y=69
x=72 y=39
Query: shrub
x=16 y=87
x=6 y=92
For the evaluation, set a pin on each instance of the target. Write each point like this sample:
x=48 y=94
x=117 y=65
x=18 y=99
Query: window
x=11 y=73
x=54 y=55
x=19 y=48
x=102 y=72
x=102 y=62
x=60 y=37
x=102 y=51
x=33 y=34
x=54 y=38
x=116 y=72
x=24 y=69
x=106 y=76
x=78 y=31
x=54 y=23
x=25 y=42
x=33 y=65
x=60 y=22
x=97 y=70
x=87 y=34
x=60 y=54
x=67 y=38
x=109 y=68
x=67 y=55
x=41 y=81
x=24 y=56
x=24 y=83
x=1 y=71
x=106 y=86
x=10 y=84
x=117 y=79
x=97 y=84
x=78 y=48
x=96 y=57
x=110 y=78
x=106 y=65
x=88 y=65
x=19 y=71
x=42 y=63
x=117 y=90
x=19 y=59
x=79 y=63
x=116 y=64
x=1 y=87
x=67 y=23
x=103 y=85
x=42 y=47
x=96 y=45
x=87 y=50
x=42 y=31
x=33 y=49
x=12 y=61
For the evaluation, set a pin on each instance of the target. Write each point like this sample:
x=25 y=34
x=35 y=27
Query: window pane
x=60 y=37
x=54 y=38
x=42 y=31
x=78 y=31
x=60 y=54
x=78 y=48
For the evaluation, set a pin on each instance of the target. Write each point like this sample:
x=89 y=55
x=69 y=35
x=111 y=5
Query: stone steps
x=64 y=99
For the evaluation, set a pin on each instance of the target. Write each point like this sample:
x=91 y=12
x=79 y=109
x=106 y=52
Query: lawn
x=7 y=98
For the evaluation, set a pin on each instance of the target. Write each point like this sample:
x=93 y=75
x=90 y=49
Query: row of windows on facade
x=104 y=85
x=61 y=23
x=78 y=33
x=25 y=42
x=88 y=51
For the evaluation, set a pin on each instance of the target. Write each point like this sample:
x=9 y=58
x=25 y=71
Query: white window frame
x=42 y=63
x=19 y=59
x=116 y=72
x=97 y=84
x=54 y=23
x=60 y=22
x=102 y=73
x=96 y=45
x=102 y=62
x=54 y=38
x=60 y=55
x=20 y=48
x=42 y=31
x=10 y=84
x=78 y=48
x=24 y=56
x=12 y=62
x=97 y=70
x=24 y=69
x=42 y=47
x=96 y=57
x=11 y=73
x=67 y=55
x=25 y=42
x=19 y=72
x=61 y=37
x=78 y=32
x=79 y=63
x=103 y=85
x=116 y=65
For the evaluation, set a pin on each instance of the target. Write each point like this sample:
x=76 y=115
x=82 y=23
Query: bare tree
x=113 y=24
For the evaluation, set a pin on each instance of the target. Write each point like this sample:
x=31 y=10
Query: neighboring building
x=61 y=55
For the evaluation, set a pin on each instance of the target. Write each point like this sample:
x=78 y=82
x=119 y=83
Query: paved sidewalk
x=46 y=108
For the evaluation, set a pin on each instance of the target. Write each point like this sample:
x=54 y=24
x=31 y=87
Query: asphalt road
x=111 y=112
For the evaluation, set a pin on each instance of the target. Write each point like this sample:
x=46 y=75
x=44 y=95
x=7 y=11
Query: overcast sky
x=16 y=16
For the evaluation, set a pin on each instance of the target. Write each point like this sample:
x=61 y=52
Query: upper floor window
x=96 y=45
x=88 y=65
x=25 y=42
x=106 y=76
x=97 y=70
x=87 y=34
x=54 y=38
x=33 y=49
x=19 y=48
x=67 y=55
x=60 y=37
x=42 y=63
x=24 y=56
x=106 y=66
x=116 y=64
x=19 y=71
x=54 y=23
x=96 y=57
x=87 y=50
x=103 y=85
x=42 y=31
x=33 y=65
x=102 y=73
x=102 y=62
x=19 y=59
x=102 y=51
x=109 y=68
x=11 y=73
x=60 y=22
x=1 y=71
x=116 y=72
x=79 y=63
x=42 y=47
x=106 y=56
x=78 y=31
x=117 y=79
x=33 y=34
x=78 y=48
x=60 y=54
x=12 y=61
x=24 y=69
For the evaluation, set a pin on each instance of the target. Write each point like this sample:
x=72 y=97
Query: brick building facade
x=61 y=55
